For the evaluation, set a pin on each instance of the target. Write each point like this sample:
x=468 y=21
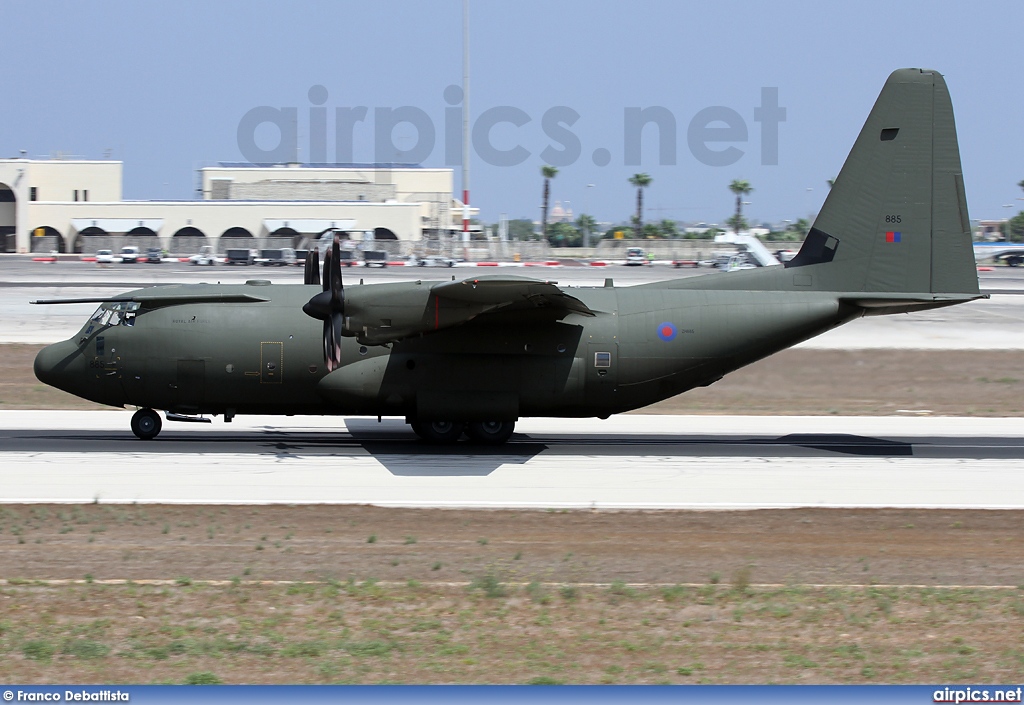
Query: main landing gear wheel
x=490 y=433
x=440 y=432
x=146 y=424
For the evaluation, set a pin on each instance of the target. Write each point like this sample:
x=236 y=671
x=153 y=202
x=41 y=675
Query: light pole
x=586 y=212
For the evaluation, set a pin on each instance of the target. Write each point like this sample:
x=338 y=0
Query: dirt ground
x=357 y=594
x=342 y=542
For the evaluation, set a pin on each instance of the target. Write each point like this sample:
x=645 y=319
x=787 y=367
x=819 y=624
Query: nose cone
x=58 y=364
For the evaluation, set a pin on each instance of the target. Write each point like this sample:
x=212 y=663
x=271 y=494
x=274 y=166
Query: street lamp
x=586 y=212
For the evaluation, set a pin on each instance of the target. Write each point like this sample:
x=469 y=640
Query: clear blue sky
x=164 y=85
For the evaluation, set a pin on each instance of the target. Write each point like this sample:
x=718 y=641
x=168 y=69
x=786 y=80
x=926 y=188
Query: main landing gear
x=490 y=433
x=146 y=424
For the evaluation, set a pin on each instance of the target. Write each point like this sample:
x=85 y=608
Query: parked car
x=205 y=258
x=431 y=261
x=104 y=257
x=129 y=254
x=154 y=255
x=375 y=258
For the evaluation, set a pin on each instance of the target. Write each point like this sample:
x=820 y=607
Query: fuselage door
x=190 y=385
x=601 y=373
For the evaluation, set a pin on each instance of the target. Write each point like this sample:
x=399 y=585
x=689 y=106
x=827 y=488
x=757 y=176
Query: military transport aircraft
x=473 y=356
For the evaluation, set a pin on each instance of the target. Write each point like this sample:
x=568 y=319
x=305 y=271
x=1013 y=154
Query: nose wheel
x=146 y=424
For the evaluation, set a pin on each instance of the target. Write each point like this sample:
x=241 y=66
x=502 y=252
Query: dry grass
x=366 y=633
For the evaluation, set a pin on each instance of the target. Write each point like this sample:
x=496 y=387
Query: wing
x=509 y=293
x=385 y=313
x=159 y=300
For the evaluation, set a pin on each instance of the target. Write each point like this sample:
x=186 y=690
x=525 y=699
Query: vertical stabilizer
x=896 y=218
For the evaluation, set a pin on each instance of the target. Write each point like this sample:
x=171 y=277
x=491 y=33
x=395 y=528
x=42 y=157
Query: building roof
x=318 y=165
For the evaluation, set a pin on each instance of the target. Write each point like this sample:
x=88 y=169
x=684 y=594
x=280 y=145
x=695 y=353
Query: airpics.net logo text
x=715 y=136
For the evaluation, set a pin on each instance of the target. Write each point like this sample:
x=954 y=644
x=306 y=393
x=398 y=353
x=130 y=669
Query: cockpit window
x=115 y=313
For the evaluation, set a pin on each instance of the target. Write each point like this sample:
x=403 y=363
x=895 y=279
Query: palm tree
x=741 y=188
x=587 y=225
x=548 y=172
x=668 y=228
x=641 y=181
x=1021 y=184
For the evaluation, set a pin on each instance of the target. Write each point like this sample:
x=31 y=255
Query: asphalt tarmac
x=655 y=462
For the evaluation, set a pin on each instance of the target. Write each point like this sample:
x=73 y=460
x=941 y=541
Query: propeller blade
x=332 y=341
x=329 y=305
x=311 y=275
x=337 y=287
x=327 y=270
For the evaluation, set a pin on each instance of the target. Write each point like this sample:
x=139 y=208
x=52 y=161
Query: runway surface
x=633 y=461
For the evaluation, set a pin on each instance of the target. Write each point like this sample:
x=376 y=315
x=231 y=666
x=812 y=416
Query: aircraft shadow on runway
x=394 y=446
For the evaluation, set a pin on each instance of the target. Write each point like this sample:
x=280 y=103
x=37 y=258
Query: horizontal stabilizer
x=882 y=304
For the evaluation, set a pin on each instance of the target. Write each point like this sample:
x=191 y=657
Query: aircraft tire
x=146 y=424
x=491 y=433
x=439 y=432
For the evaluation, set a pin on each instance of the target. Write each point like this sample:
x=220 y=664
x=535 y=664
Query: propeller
x=329 y=305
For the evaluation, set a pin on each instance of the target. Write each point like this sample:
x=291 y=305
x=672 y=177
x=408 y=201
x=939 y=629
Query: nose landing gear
x=146 y=424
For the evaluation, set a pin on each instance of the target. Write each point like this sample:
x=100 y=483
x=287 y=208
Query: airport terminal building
x=77 y=206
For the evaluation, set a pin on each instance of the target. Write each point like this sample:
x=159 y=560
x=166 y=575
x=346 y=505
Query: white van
x=129 y=254
x=635 y=256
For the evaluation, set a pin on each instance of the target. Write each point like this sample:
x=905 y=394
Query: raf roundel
x=666 y=331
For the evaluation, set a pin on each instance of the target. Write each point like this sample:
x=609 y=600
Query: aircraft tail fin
x=896 y=218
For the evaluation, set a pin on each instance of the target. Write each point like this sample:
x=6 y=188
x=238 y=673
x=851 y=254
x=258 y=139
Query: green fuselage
x=645 y=343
